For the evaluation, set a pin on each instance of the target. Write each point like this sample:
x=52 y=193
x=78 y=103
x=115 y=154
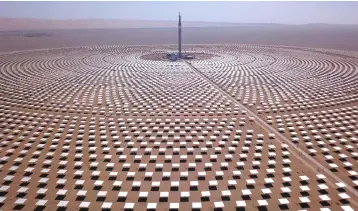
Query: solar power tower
x=179 y=37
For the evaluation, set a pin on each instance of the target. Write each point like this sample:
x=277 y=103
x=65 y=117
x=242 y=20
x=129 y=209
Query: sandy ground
x=12 y=24
x=321 y=36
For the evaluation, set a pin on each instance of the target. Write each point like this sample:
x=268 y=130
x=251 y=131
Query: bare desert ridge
x=25 y=34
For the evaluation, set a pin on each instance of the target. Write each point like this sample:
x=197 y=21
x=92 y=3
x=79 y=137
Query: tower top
x=179 y=18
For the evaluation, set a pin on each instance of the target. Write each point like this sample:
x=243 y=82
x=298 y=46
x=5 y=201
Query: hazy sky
x=241 y=12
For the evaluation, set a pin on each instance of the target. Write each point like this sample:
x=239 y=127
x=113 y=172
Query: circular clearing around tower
x=196 y=56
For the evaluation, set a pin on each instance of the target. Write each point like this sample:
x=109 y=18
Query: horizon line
x=189 y=21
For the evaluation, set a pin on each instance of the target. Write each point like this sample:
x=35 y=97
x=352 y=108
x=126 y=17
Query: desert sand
x=316 y=35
